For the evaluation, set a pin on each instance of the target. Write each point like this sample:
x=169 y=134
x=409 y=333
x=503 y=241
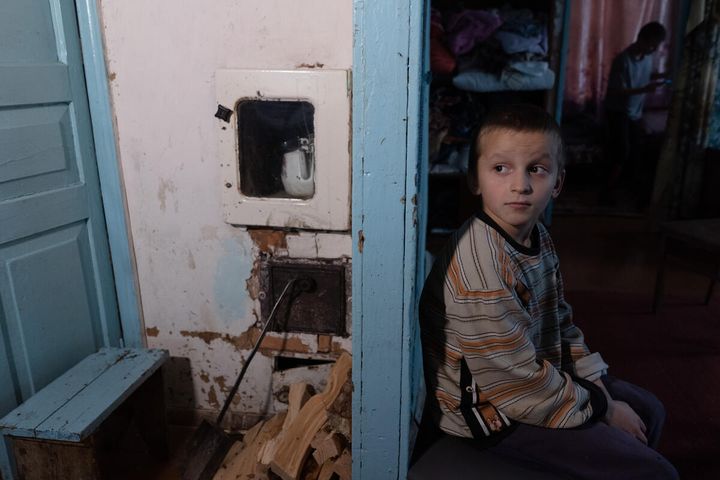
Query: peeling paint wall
x=198 y=292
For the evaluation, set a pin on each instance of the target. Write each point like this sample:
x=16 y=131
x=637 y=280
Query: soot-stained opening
x=286 y=363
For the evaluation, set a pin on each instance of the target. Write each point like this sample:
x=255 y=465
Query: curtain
x=693 y=126
x=599 y=30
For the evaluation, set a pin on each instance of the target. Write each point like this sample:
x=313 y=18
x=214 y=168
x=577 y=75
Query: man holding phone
x=631 y=79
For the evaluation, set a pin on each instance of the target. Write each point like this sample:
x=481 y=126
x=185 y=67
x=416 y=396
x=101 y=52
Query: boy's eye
x=537 y=169
x=500 y=168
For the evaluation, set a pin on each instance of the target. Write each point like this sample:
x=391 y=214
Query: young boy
x=504 y=363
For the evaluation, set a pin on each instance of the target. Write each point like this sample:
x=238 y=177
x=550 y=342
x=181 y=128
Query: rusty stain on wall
x=206 y=337
x=164 y=187
x=112 y=76
x=204 y=377
x=268 y=240
x=152 y=331
x=191 y=260
x=212 y=397
x=252 y=284
x=247 y=339
x=220 y=381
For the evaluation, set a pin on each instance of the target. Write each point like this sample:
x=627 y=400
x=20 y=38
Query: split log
x=299 y=394
x=327 y=470
x=328 y=446
x=243 y=464
x=294 y=448
x=343 y=466
x=340 y=412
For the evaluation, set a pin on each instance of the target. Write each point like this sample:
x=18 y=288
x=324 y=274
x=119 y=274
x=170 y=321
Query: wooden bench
x=56 y=433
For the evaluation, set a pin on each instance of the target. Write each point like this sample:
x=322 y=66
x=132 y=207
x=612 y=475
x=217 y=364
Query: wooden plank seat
x=57 y=431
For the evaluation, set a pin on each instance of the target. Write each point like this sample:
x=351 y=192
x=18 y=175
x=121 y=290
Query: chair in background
x=697 y=242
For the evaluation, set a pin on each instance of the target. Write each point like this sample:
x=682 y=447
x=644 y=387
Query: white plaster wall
x=162 y=56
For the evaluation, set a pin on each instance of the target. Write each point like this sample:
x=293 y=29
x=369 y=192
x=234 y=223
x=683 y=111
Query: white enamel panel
x=328 y=92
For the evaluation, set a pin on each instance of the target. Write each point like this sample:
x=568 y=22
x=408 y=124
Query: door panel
x=25 y=36
x=65 y=307
x=57 y=296
x=38 y=151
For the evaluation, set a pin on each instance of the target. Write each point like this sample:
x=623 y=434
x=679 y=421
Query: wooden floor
x=131 y=460
x=609 y=267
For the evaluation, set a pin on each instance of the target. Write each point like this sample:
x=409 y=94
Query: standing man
x=631 y=78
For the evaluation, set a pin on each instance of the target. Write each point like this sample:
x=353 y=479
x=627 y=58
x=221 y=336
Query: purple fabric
x=467 y=28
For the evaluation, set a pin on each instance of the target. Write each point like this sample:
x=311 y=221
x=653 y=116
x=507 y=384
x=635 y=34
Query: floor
x=131 y=460
x=609 y=267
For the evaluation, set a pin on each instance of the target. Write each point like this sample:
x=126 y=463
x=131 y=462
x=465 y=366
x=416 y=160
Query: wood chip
x=343 y=466
x=244 y=464
x=328 y=447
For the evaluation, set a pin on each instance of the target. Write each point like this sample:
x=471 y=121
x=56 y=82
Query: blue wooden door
x=57 y=295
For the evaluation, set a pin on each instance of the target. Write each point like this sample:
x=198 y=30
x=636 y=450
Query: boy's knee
x=664 y=470
x=656 y=409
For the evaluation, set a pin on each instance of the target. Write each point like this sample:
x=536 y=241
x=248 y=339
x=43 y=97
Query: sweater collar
x=533 y=249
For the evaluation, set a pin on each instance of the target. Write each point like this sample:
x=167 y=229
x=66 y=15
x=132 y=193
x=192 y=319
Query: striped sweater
x=498 y=339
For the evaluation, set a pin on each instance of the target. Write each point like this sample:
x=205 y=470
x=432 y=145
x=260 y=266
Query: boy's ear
x=472 y=180
x=558 y=183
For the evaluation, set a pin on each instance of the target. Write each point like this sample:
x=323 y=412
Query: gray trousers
x=594 y=452
x=597 y=451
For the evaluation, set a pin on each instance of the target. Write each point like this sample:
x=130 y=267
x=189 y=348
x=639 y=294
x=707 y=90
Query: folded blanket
x=516 y=76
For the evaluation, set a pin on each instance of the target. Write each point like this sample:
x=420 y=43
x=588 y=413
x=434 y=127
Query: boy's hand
x=621 y=415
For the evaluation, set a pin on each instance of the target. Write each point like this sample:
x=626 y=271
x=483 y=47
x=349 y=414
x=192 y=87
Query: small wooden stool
x=54 y=433
x=692 y=235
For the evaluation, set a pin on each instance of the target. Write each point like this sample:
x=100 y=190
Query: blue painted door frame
x=389 y=183
x=111 y=185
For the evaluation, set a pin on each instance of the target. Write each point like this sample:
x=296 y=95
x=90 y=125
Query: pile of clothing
x=491 y=50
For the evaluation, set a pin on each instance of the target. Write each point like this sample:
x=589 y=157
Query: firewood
x=343 y=403
x=294 y=448
x=341 y=425
x=235 y=450
x=343 y=466
x=327 y=447
x=327 y=470
x=298 y=396
x=310 y=470
x=244 y=464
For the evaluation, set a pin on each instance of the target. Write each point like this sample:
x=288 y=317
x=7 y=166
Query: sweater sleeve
x=491 y=328
x=577 y=357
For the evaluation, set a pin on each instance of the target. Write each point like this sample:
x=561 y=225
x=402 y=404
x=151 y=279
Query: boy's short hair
x=519 y=117
x=653 y=31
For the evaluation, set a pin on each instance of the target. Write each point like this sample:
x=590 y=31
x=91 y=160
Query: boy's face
x=517 y=175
